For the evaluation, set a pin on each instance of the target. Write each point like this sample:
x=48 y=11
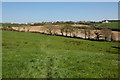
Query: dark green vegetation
x=13 y=25
x=32 y=55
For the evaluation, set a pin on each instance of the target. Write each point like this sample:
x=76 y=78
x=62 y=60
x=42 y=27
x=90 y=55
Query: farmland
x=32 y=55
x=111 y=25
x=11 y=25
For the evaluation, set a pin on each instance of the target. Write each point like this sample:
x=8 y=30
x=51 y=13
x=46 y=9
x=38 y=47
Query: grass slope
x=112 y=25
x=12 y=25
x=31 y=55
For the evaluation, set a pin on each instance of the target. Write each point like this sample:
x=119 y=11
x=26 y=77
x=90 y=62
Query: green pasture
x=33 y=55
x=111 y=25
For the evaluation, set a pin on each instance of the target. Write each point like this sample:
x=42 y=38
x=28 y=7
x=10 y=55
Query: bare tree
x=55 y=29
x=75 y=32
x=19 y=28
x=66 y=29
x=71 y=30
x=84 y=31
x=27 y=28
x=4 y=28
x=10 y=28
x=98 y=34
x=48 y=28
x=61 y=28
x=88 y=31
x=113 y=37
x=106 y=34
x=24 y=28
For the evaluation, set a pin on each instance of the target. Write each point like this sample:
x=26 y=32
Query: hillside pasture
x=32 y=55
x=111 y=25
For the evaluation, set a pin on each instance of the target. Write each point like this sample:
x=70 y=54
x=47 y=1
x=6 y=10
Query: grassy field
x=32 y=55
x=12 y=25
x=112 y=25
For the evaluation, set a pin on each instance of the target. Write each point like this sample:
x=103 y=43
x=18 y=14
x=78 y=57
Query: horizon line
x=65 y=21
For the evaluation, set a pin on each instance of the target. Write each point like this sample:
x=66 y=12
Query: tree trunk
x=105 y=38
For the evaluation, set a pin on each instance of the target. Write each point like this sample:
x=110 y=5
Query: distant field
x=11 y=25
x=112 y=25
x=31 y=55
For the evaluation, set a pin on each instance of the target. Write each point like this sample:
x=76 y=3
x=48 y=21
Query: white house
x=106 y=21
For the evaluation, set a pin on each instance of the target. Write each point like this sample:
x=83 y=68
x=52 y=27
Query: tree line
x=69 y=31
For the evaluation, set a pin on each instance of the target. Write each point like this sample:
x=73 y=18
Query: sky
x=60 y=0
x=22 y=12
